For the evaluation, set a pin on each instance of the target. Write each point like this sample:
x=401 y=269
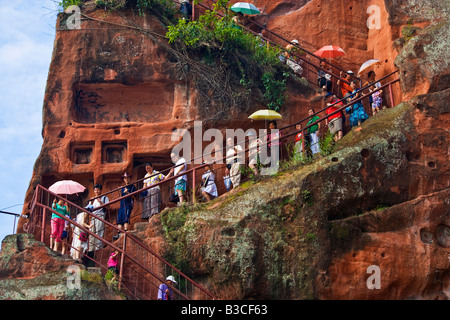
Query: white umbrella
x=368 y=64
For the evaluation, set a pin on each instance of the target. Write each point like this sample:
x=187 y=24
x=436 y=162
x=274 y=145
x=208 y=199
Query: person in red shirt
x=298 y=140
x=334 y=122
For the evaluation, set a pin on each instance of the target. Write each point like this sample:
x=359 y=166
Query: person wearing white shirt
x=233 y=162
x=180 y=182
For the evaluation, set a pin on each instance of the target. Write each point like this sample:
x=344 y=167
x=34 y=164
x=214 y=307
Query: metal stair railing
x=141 y=270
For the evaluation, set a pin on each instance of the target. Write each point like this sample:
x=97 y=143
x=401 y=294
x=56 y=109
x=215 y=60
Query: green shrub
x=64 y=4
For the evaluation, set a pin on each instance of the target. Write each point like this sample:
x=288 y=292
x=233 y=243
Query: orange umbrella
x=330 y=52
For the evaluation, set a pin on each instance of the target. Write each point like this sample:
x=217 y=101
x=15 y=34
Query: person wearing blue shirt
x=164 y=292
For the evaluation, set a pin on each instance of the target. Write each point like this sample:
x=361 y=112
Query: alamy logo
x=264 y=146
x=374 y=281
x=74 y=20
x=374 y=20
x=73 y=277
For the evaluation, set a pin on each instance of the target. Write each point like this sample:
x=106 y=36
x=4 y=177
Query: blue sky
x=26 y=44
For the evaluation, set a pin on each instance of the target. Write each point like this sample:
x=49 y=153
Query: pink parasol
x=66 y=187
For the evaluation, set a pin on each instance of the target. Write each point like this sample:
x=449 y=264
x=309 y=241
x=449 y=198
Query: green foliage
x=173 y=220
x=326 y=144
x=310 y=236
x=409 y=31
x=111 y=4
x=111 y=281
x=92 y=277
x=274 y=90
x=307 y=197
x=64 y=4
x=174 y=225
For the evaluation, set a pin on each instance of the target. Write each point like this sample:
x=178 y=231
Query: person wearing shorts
x=180 y=182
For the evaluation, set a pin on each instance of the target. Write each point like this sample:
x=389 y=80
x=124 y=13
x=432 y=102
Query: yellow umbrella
x=265 y=114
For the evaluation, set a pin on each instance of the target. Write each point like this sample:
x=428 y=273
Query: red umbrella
x=66 y=187
x=330 y=52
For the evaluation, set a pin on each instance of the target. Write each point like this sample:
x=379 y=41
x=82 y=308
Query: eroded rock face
x=29 y=270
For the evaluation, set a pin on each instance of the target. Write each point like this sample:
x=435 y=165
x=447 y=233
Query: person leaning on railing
x=233 y=162
x=185 y=8
x=324 y=78
x=126 y=204
x=376 y=101
x=80 y=237
x=298 y=147
x=254 y=144
x=180 y=182
x=290 y=60
x=208 y=186
x=273 y=140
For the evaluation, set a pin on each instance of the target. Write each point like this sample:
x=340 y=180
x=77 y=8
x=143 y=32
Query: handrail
x=36 y=203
